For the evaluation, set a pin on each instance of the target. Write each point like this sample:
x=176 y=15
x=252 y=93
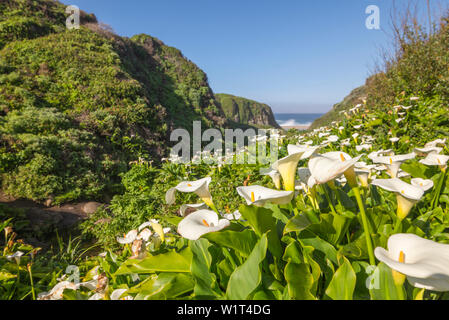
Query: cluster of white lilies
x=424 y=262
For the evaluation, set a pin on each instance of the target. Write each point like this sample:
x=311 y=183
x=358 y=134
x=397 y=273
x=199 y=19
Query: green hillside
x=76 y=106
x=337 y=113
x=245 y=111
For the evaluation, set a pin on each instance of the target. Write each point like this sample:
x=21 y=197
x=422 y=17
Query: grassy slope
x=354 y=98
x=418 y=68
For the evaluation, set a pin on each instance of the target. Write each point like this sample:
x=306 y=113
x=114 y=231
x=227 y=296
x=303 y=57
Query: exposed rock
x=247 y=112
x=91 y=207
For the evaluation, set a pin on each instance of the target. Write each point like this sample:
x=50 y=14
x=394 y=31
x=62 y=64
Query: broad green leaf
x=247 y=277
x=314 y=266
x=241 y=241
x=297 y=224
x=167 y=262
x=201 y=262
x=293 y=253
x=416 y=169
x=323 y=246
x=163 y=286
x=299 y=281
x=343 y=282
x=262 y=221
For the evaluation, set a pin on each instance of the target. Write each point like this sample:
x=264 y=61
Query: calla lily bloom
x=407 y=194
x=427 y=150
x=424 y=262
x=287 y=166
x=16 y=256
x=363 y=175
x=142 y=233
x=199 y=187
x=434 y=159
x=199 y=223
x=435 y=143
x=305 y=150
x=331 y=165
x=307 y=183
x=380 y=153
x=393 y=163
x=362 y=147
x=276 y=177
x=258 y=195
x=423 y=184
x=394 y=139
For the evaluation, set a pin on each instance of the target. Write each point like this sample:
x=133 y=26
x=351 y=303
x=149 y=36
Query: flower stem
x=31 y=280
x=331 y=205
x=400 y=291
x=369 y=243
x=436 y=197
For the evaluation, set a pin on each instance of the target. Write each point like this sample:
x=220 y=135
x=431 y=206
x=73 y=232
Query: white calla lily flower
x=305 y=150
x=58 y=290
x=287 y=168
x=16 y=256
x=407 y=194
x=199 y=223
x=128 y=238
x=362 y=147
x=435 y=143
x=258 y=195
x=398 y=186
x=380 y=153
x=425 y=185
x=199 y=187
x=275 y=176
x=331 y=165
x=434 y=159
x=363 y=175
x=393 y=163
x=425 y=262
x=394 y=139
x=427 y=150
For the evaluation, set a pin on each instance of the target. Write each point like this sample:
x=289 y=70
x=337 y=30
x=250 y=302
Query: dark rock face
x=247 y=112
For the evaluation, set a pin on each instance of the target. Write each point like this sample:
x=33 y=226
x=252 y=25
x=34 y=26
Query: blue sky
x=296 y=55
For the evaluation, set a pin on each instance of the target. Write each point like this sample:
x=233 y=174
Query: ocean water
x=296 y=119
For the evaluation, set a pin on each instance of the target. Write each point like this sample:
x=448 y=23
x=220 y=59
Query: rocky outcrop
x=247 y=112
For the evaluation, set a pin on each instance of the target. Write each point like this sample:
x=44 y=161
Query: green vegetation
x=77 y=106
x=86 y=114
x=417 y=68
x=292 y=251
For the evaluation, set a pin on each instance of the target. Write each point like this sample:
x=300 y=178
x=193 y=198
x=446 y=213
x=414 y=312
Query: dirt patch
x=46 y=219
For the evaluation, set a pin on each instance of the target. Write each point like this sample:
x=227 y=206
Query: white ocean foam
x=292 y=123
